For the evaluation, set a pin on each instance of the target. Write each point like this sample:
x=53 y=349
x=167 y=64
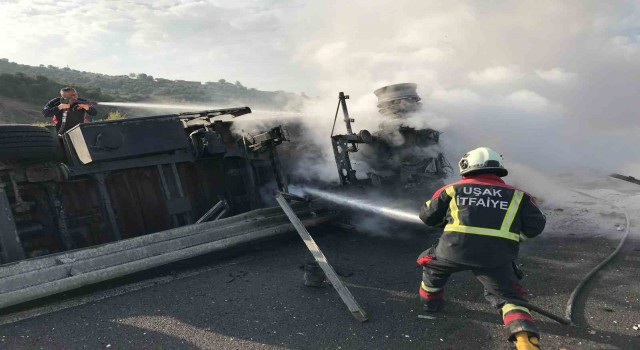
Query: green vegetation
x=39 y=89
x=42 y=124
x=115 y=115
x=39 y=84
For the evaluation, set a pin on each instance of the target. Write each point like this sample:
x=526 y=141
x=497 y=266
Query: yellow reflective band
x=453 y=205
x=482 y=231
x=427 y=203
x=429 y=289
x=511 y=212
x=510 y=307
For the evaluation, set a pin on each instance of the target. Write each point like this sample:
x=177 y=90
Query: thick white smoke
x=551 y=85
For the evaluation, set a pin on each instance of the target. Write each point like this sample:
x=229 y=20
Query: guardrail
x=32 y=279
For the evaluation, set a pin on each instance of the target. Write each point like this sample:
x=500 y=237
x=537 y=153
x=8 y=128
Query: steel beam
x=331 y=274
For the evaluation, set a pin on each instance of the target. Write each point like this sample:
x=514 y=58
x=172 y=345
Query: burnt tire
x=27 y=142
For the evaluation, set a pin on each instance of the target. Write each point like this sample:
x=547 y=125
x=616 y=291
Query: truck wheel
x=27 y=142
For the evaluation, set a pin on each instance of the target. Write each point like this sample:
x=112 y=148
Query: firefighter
x=68 y=110
x=484 y=220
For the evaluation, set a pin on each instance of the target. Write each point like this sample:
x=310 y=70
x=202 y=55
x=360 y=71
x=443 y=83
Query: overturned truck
x=126 y=195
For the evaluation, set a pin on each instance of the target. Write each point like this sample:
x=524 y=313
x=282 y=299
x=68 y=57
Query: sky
x=552 y=85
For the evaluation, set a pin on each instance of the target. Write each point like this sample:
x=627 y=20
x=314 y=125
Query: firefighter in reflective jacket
x=484 y=220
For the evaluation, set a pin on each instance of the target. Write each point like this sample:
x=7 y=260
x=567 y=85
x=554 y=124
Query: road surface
x=255 y=299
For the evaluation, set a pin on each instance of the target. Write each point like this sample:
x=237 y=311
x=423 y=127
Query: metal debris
x=428 y=317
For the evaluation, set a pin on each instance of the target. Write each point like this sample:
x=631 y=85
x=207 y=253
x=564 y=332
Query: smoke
x=552 y=86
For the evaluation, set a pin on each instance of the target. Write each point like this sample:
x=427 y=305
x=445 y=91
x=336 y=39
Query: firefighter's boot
x=526 y=341
x=433 y=305
x=313 y=275
x=432 y=298
x=522 y=330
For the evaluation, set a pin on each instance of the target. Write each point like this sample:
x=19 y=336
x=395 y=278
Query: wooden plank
x=342 y=290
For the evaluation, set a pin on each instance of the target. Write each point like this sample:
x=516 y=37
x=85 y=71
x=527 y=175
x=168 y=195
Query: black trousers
x=499 y=282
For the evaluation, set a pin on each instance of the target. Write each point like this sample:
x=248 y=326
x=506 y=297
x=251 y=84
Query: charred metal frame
x=415 y=170
x=266 y=143
x=345 y=144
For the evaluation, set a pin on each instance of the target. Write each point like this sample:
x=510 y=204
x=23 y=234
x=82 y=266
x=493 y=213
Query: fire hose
x=587 y=278
x=568 y=318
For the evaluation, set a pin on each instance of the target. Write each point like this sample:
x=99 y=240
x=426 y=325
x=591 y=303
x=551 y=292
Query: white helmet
x=482 y=160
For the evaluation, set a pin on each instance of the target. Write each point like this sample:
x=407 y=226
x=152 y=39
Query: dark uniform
x=74 y=115
x=484 y=221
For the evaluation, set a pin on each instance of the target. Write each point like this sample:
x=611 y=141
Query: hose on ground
x=574 y=295
x=568 y=319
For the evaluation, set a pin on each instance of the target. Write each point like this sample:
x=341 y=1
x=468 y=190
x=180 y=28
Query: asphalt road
x=255 y=299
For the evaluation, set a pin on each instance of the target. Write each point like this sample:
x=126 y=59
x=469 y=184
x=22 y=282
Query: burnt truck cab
x=403 y=160
x=110 y=180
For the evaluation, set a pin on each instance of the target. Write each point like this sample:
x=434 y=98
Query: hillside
x=135 y=87
x=22 y=97
x=13 y=111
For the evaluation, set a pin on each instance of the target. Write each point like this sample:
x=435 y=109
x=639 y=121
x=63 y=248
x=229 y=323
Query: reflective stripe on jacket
x=483 y=218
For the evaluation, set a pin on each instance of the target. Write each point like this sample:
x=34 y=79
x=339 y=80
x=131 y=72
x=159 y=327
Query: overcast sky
x=554 y=81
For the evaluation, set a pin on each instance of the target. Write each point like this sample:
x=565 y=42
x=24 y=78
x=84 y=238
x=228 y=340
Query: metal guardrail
x=36 y=278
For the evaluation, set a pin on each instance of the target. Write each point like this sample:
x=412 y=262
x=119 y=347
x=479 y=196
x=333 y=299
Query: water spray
x=158 y=105
x=396 y=214
x=257 y=114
